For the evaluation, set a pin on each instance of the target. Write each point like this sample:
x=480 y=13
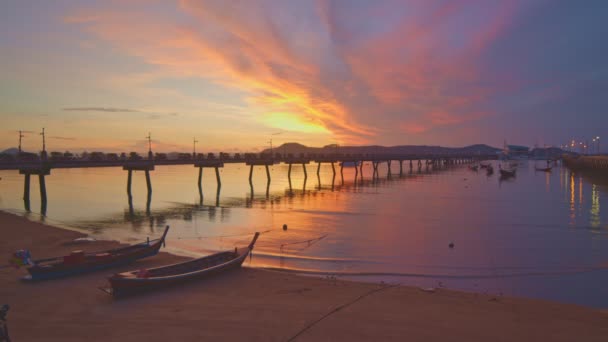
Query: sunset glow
x=388 y=72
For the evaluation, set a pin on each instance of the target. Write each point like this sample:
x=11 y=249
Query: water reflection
x=381 y=224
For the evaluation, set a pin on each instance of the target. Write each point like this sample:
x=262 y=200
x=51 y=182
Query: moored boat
x=489 y=169
x=473 y=167
x=507 y=173
x=80 y=262
x=146 y=279
x=543 y=169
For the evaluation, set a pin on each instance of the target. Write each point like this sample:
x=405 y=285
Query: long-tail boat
x=132 y=282
x=543 y=169
x=81 y=262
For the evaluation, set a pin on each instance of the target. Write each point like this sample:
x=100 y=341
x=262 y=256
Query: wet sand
x=258 y=305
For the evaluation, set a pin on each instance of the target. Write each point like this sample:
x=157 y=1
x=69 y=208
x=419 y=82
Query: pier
x=43 y=166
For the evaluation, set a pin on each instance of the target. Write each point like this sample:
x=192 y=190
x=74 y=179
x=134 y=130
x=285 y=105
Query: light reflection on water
x=539 y=234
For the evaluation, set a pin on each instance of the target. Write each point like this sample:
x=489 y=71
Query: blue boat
x=80 y=262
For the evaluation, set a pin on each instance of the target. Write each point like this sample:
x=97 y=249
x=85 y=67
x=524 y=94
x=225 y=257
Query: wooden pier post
x=333 y=169
x=304 y=168
x=250 y=173
x=388 y=163
x=342 y=172
x=267 y=173
x=318 y=168
x=401 y=168
x=289 y=172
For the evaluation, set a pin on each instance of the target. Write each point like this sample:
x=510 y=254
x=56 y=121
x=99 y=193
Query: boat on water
x=543 y=169
x=507 y=172
x=474 y=167
x=137 y=281
x=81 y=262
x=350 y=163
x=489 y=170
x=484 y=166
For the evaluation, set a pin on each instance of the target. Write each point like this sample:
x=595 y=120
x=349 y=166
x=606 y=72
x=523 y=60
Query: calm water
x=539 y=235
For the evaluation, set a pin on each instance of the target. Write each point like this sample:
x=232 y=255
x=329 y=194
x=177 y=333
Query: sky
x=236 y=75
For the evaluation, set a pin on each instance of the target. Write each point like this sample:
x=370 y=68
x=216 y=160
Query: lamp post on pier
x=43 y=153
x=21 y=136
x=194 y=141
x=149 y=137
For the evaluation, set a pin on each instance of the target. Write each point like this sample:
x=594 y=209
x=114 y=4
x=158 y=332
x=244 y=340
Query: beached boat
x=81 y=262
x=146 y=279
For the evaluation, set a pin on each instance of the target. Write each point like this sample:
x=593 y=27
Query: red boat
x=81 y=262
x=146 y=279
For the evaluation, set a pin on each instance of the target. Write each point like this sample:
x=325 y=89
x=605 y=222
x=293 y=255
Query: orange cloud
x=314 y=65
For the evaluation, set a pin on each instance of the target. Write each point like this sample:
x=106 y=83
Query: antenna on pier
x=194 y=141
x=20 y=137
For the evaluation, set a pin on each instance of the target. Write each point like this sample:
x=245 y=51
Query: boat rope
x=340 y=307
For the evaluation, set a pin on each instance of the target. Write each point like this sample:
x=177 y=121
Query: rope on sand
x=340 y=308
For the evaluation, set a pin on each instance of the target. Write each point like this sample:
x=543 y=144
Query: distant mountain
x=12 y=151
x=296 y=149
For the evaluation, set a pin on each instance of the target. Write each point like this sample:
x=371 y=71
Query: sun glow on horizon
x=290 y=122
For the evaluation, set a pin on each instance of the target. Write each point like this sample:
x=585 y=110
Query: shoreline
x=263 y=305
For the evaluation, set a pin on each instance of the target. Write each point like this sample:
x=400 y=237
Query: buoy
x=451 y=245
x=284 y=227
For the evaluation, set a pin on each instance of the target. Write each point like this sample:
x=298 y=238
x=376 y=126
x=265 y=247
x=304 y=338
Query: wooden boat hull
x=128 y=283
x=57 y=267
x=547 y=169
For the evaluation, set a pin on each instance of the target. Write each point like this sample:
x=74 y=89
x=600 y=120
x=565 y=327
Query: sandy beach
x=259 y=305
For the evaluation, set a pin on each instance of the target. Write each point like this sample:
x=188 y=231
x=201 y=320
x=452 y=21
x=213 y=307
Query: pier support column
x=333 y=169
x=200 y=184
x=401 y=168
x=304 y=168
x=360 y=168
x=388 y=163
x=267 y=174
x=42 y=188
x=318 y=169
x=342 y=172
x=217 y=177
x=26 y=188
x=356 y=174
x=250 y=173
x=42 y=194
x=411 y=165
x=129 y=178
x=148 y=182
